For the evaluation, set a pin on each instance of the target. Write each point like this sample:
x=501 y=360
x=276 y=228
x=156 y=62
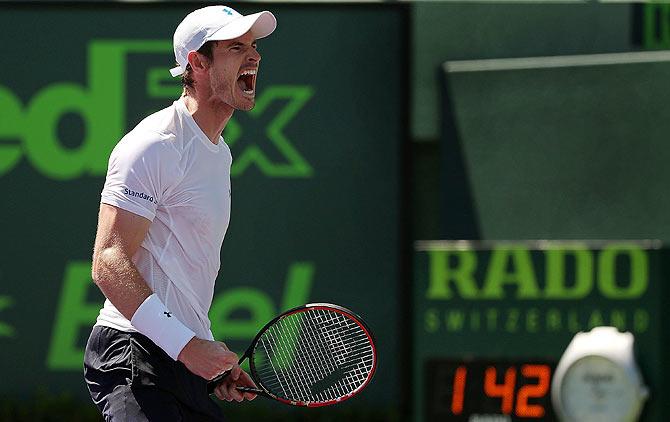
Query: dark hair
x=206 y=50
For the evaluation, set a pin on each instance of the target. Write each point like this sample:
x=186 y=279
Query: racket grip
x=211 y=384
x=250 y=390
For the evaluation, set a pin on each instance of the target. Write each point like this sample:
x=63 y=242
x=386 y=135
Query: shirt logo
x=140 y=195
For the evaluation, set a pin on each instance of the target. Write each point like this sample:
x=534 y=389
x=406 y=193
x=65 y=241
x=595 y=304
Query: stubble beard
x=226 y=93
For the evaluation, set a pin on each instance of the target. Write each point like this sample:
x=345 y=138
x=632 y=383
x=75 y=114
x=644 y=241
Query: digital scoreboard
x=491 y=321
x=456 y=389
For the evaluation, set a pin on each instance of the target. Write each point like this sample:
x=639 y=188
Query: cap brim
x=260 y=24
x=176 y=71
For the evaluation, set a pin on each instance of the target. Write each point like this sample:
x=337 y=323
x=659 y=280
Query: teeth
x=248 y=72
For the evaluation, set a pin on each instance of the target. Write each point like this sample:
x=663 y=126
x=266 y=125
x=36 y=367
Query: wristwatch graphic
x=598 y=380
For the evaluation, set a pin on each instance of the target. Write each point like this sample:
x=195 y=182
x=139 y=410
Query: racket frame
x=303 y=308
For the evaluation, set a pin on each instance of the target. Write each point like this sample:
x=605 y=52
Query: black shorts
x=132 y=379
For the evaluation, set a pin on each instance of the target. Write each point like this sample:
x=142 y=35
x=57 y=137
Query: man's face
x=232 y=72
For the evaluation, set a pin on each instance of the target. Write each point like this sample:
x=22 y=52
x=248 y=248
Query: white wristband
x=154 y=320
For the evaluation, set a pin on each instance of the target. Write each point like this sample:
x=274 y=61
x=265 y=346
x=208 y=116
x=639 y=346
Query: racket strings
x=350 y=346
x=306 y=350
x=289 y=370
x=314 y=356
x=332 y=384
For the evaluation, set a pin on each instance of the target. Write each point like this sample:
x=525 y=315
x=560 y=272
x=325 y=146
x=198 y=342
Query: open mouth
x=247 y=81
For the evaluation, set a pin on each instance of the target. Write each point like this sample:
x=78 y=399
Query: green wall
x=444 y=31
x=561 y=148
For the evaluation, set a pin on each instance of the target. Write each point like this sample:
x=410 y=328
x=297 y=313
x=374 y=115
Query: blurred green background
x=378 y=124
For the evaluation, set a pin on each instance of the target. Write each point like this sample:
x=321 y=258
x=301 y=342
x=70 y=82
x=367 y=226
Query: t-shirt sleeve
x=140 y=171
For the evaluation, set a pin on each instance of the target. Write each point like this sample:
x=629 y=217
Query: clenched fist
x=206 y=358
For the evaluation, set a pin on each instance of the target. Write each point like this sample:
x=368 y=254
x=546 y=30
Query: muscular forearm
x=120 y=235
x=119 y=280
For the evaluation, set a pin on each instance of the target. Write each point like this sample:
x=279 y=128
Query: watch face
x=595 y=389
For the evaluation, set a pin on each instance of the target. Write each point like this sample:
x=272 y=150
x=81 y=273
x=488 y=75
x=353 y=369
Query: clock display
x=461 y=390
x=596 y=389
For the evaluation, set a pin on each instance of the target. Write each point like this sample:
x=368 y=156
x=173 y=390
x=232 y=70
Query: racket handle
x=250 y=390
x=211 y=384
x=217 y=379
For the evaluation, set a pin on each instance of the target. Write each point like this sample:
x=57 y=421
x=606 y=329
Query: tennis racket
x=313 y=355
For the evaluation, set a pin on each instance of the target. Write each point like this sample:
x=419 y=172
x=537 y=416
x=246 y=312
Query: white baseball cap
x=214 y=23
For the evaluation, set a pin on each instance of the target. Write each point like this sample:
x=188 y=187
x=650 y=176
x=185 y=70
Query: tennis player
x=164 y=212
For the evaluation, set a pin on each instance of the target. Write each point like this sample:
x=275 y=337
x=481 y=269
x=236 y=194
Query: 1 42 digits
x=462 y=388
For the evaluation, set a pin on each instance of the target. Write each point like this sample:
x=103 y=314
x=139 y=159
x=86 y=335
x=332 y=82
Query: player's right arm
x=120 y=234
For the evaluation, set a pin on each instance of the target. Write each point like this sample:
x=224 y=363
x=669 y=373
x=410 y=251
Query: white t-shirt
x=168 y=171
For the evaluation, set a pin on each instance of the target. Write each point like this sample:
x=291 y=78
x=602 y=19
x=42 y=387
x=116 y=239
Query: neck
x=209 y=114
